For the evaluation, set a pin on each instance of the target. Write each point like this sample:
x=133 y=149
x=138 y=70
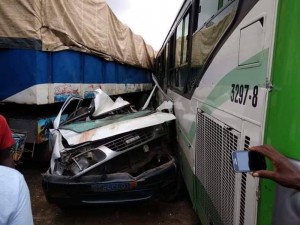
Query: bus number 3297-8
x=240 y=94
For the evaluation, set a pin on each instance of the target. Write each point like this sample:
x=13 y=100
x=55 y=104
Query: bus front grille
x=218 y=186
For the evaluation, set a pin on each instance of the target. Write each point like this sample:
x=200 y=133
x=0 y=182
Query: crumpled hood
x=79 y=133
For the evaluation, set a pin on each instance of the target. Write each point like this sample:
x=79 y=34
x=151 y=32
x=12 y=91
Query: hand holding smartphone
x=247 y=161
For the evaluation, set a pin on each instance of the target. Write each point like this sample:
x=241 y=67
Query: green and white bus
x=232 y=68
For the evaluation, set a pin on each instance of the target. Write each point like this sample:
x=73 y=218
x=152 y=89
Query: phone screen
x=246 y=161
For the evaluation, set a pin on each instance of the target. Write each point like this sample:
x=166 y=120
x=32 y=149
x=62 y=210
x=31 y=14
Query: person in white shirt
x=15 y=205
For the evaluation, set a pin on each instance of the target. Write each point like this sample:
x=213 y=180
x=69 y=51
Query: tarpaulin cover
x=81 y=25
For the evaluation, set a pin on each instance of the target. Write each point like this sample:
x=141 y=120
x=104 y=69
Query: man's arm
x=284 y=172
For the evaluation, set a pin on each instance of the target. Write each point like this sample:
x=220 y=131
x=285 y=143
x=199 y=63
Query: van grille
x=215 y=142
x=130 y=140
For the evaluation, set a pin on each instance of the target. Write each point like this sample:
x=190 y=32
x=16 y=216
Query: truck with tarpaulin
x=50 y=50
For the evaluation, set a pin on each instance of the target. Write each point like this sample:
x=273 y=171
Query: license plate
x=111 y=187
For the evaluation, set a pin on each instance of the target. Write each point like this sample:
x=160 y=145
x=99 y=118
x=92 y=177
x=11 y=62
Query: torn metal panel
x=83 y=126
x=88 y=158
x=166 y=106
x=58 y=119
x=57 y=147
x=161 y=90
x=83 y=143
x=113 y=129
x=104 y=104
x=122 y=156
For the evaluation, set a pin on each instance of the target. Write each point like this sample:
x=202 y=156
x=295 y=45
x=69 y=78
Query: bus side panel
x=242 y=63
x=186 y=138
x=254 y=72
x=224 y=108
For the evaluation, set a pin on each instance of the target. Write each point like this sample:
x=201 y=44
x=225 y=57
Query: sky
x=152 y=19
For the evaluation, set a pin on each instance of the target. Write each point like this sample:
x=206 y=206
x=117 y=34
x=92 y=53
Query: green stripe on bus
x=250 y=75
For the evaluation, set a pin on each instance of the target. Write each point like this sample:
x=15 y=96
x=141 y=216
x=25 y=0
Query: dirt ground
x=179 y=212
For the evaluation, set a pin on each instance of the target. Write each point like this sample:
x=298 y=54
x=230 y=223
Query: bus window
x=222 y=3
x=161 y=64
x=166 y=66
x=182 y=41
x=162 y=70
x=208 y=9
x=178 y=56
x=166 y=58
x=206 y=38
x=179 y=72
x=171 y=61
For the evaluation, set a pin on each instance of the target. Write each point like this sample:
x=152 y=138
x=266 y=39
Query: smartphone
x=247 y=161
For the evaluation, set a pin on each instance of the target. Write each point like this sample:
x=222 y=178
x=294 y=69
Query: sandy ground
x=178 y=212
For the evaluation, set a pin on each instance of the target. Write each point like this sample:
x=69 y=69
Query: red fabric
x=6 y=139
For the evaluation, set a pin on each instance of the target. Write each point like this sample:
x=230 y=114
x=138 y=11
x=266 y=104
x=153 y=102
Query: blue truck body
x=22 y=69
